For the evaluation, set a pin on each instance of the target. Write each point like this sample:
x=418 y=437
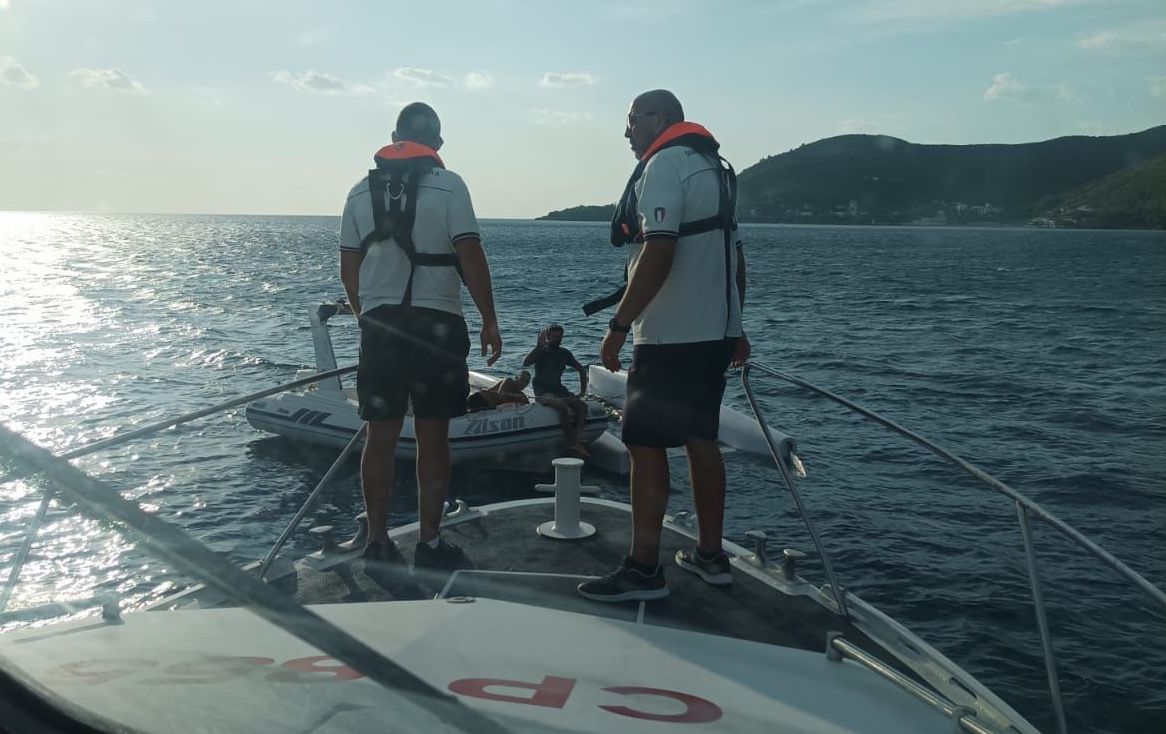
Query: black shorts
x=412 y=353
x=554 y=391
x=674 y=392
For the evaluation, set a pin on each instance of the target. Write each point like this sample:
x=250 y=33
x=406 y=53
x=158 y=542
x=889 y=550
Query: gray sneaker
x=715 y=570
x=626 y=584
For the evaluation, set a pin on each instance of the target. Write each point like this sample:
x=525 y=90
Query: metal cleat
x=567 y=488
x=456 y=509
x=357 y=542
x=759 y=539
x=323 y=534
x=789 y=563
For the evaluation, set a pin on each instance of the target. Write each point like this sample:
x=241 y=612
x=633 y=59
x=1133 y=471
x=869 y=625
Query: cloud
x=898 y=10
x=1127 y=40
x=1065 y=93
x=549 y=117
x=478 y=80
x=5 y=4
x=1006 y=87
x=858 y=125
x=877 y=124
x=422 y=77
x=112 y=79
x=318 y=81
x=568 y=79
x=15 y=75
x=1157 y=86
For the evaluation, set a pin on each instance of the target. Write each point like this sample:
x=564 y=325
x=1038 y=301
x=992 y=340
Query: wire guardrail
x=1025 y=508
x=30 y=535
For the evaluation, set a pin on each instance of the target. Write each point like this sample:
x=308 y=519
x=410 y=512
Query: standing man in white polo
x=683 y=302
x=408 y=239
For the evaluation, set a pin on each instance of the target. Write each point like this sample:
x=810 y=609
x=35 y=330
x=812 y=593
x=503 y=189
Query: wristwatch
x=616 y=326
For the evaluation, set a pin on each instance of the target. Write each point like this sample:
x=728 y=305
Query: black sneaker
x=384 y=564
x=626 y=584
x=445 y=557
x=713 y=570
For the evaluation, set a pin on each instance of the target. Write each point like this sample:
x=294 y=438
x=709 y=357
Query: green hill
x=880 y=179
x=885 y=179
x=600 y=213
x=1134 y=197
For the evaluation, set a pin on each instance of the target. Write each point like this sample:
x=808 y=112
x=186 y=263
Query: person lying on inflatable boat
x=503 y=392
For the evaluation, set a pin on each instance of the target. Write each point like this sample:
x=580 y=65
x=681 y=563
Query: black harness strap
x=725 y=220
x=397 y=222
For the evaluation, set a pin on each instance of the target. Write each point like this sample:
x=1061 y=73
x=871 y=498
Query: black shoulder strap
x=398 y=221
x=726 y=216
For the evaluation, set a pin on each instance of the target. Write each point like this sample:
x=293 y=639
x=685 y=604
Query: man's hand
x=542 y=338
x=741 y=352
x=609 y=350
x=491 y=338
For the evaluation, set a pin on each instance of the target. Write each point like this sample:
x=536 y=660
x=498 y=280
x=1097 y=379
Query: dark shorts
x=674 y=392
x=412 y=353
x=554 y=391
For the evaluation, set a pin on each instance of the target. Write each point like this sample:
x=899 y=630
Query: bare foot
x=579 y=450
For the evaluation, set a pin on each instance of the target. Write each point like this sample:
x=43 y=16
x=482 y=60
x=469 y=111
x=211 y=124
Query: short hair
x=555 y=327
x=419 y=123
x=524 y=374
x=663 y=102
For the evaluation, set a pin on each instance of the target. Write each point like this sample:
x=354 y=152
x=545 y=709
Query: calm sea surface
x=1038 y=355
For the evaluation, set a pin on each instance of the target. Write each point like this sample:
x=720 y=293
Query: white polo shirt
x=445 y=216
x=698 y=301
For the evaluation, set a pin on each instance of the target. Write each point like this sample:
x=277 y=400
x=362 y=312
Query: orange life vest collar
x=673 y=131
x=406 y=149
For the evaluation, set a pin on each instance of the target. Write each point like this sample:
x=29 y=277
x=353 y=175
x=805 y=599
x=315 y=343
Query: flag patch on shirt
x=659 y=214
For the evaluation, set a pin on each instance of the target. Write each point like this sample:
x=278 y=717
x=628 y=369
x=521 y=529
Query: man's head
x=650 y=114
x=418 y=123
x=554 y=335
x=522 y=378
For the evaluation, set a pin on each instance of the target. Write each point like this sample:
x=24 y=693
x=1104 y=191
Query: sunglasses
x=633 y=117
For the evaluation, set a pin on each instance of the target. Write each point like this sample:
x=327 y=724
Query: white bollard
x=567 y=488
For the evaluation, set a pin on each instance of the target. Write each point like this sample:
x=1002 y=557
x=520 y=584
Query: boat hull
x=329 y=418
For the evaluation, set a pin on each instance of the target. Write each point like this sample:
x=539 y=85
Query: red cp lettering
x=696 y=710
x=315 y=669
x=552 y=692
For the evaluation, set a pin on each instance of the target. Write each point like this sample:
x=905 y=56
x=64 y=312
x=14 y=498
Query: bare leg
x=580 y=418
x=432 y=472
x=564 y=414
x=707 y=469
x=649 y=482
x=578 y=426
x=376 y=475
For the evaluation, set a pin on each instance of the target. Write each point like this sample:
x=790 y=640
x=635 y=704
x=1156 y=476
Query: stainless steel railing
x=188 y=555
x=105 y=443
x=310 y=501
x=1025 y=508
x=839 y=647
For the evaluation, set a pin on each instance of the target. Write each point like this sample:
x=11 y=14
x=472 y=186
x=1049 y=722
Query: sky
x=248 y=107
